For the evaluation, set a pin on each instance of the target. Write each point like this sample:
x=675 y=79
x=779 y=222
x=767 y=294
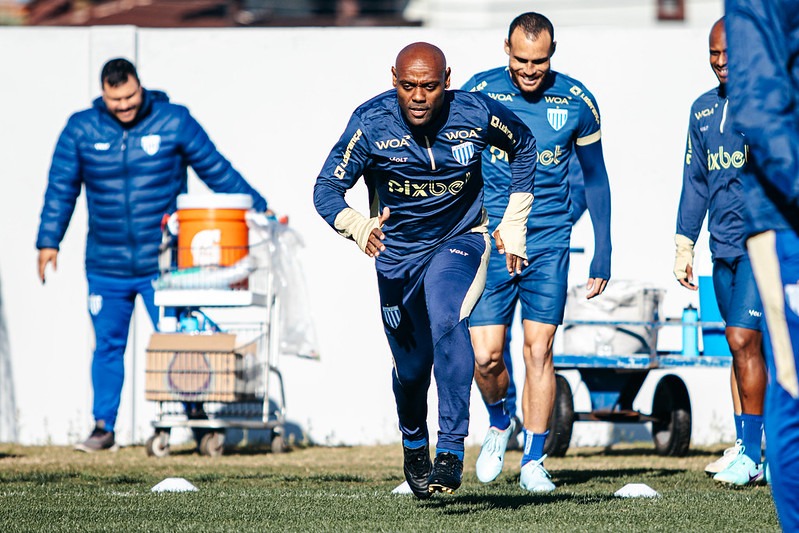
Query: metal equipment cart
x=613 y=382
x=214 y=366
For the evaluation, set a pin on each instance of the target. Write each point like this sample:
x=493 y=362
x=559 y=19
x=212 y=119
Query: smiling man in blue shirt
x=565 y=119
x=418 y=148
x=715 y=155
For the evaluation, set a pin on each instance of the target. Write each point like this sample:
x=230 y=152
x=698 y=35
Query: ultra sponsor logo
x=576 y=91
x=392 y=316
x=463 y=152
x=345 y=159
x=723 y=160
x=496 y=123
x=150 y=144
x=479 y=87
x=392 y=143
x=557 y=117
x=426 y=189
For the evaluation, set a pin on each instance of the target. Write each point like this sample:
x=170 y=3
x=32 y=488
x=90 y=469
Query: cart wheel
x=158 y=444
x=278 y=443
x=671 y=407
x=560 y=426
x=212 y=444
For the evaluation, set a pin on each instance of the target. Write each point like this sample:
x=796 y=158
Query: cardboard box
x=192 y=368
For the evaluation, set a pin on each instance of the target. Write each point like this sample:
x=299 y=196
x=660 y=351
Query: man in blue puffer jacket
x=130 y=151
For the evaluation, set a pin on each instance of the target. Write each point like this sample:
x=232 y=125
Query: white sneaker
x=724 y=461
x=741 y=472
x=492 y=454
x=535 y=477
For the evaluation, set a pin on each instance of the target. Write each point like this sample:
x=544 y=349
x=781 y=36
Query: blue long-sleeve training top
x=430 y=178
x=715 y=155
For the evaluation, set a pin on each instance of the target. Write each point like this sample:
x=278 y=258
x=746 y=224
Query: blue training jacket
x=715 y=155
x=430 y=178
x=565 y=120
x=762 y=87
x=132 y=175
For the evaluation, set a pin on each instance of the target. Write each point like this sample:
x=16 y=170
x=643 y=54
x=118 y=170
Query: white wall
x=275 y=101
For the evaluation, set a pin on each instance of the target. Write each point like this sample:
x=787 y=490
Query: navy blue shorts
x=541 y=288
x=736 y=293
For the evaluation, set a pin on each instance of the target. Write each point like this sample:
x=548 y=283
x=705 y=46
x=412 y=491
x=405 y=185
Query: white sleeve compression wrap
x=684 y=256
x=351 y=224
x=513 y=227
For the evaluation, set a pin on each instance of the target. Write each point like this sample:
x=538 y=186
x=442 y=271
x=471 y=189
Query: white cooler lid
x=214 y=201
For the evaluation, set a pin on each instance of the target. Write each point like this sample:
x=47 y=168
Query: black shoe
x=417 y=468
x=513 y=443
x=447 y=473
x=99 y=440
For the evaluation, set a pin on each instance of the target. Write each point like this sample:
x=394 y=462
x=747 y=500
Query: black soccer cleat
x=447 y=473
x=417 y=468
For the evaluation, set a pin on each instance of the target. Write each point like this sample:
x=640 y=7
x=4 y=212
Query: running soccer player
x=764 y=41
x=714 y=155
x=566 y=121
x=418 y=148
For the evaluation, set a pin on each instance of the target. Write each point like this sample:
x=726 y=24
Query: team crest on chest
x=150 y=144
x=463 y=152
x=557 y=117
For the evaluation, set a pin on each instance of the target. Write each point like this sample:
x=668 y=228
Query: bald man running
x=418 y=148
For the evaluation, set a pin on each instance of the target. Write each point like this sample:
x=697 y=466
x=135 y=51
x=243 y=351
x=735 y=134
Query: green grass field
x=345 y=489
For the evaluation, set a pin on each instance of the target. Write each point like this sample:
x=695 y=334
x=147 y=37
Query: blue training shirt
x=562 y=116
x=714 y=155
x=430 y=178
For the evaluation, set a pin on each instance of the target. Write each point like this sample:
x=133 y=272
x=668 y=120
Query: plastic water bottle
x=690 y=331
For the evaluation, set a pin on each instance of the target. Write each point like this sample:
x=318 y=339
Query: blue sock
x=459 y=453
x=498 y=417
x=739 y=428
x=533 y=446
x=414 y=444
x=752 y=436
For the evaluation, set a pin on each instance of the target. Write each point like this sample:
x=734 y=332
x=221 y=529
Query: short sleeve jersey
x=562 y=115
